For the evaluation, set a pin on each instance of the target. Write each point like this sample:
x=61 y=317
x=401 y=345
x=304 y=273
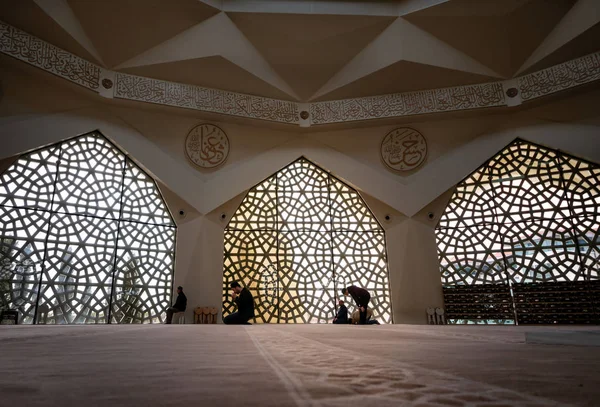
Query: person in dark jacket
x=342 y=314
x=361 y=298
x=245 y=306
x=180 y=305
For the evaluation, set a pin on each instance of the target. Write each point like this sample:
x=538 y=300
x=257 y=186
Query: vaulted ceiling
x=316 y=50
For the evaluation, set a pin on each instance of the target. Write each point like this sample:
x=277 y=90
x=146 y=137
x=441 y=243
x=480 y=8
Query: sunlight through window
x=296 y=239
x=529 y=215
x=85 y=237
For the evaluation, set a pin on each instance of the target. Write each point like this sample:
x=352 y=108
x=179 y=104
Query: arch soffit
x=42 y=130
x=423 y=187
x=209 y=193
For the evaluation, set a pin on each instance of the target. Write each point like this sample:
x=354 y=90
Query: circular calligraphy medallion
x=207 y=146
x=403 y=149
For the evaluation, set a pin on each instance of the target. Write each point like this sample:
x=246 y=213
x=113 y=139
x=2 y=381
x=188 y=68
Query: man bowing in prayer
x=361 y=298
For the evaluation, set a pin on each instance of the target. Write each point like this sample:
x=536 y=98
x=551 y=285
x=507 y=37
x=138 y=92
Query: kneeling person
x=356 y=318
x=361 y=298
x=245 y=306
x=342 y=314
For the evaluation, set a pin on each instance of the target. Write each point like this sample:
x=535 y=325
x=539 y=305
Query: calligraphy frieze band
x=560 y=77
x=407 y=104
x=209 y=100
x=30 y=49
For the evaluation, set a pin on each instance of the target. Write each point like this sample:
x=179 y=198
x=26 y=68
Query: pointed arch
x=526 y=221
x=86 y=236
x=297 y=239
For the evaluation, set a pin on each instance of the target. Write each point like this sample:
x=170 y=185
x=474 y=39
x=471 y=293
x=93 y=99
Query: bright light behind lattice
x=296 y=239
x=529 y=215
x=87 y=236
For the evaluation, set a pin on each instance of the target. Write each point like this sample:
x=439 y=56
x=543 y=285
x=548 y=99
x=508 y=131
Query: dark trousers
x=363 y=315
x=237 y=319
x=170 y=312
x=341 y=321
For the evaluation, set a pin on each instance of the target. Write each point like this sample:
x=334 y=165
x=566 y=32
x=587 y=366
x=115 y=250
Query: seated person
x=245 y=305
x=180 y=305
x=342 y=314
x=357 y=320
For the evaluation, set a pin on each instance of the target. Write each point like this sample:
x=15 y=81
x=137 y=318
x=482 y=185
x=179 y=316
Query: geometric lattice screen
x=85 y=237
x=296 y=240
x=528 y=220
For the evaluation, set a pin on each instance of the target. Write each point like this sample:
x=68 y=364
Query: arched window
x=297 y=239
x=85 y=237
x=520 y=231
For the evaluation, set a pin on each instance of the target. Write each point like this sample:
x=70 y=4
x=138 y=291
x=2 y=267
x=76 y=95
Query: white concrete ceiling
x=316 y=50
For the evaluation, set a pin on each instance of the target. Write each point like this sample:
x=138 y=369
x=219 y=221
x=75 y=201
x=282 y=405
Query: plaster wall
x=199 y=263
x=154 y=139
x=168 y=131
x=414 y=271
x=411 y=246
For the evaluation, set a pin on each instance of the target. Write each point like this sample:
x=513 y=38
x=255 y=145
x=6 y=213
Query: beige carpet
x=301 y=365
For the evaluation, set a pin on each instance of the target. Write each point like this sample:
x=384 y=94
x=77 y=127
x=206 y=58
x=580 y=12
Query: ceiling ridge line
x=62 y=13
x=335 y=8
x=196 y=42
x=391 y=47
x=112 y=84
x=581 y=15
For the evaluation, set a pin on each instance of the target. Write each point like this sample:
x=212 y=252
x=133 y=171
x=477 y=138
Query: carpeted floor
x=299 y=365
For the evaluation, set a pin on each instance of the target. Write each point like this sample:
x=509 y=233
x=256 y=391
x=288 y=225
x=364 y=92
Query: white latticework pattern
x=297 y=239
x=529 y=215
x=85 y=237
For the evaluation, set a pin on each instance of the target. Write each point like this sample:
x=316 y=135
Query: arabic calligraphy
x=210 y=100
x=403 y=149
x=408 y=104
x=20 y=45
x=34 y=51
x=207 y=146
x=270 y=286
x=564 y=76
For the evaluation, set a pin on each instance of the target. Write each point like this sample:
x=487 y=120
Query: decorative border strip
x=408 y=104
x=560 y=77
x=32 y=50
x=209 y=100
x=48 y=57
